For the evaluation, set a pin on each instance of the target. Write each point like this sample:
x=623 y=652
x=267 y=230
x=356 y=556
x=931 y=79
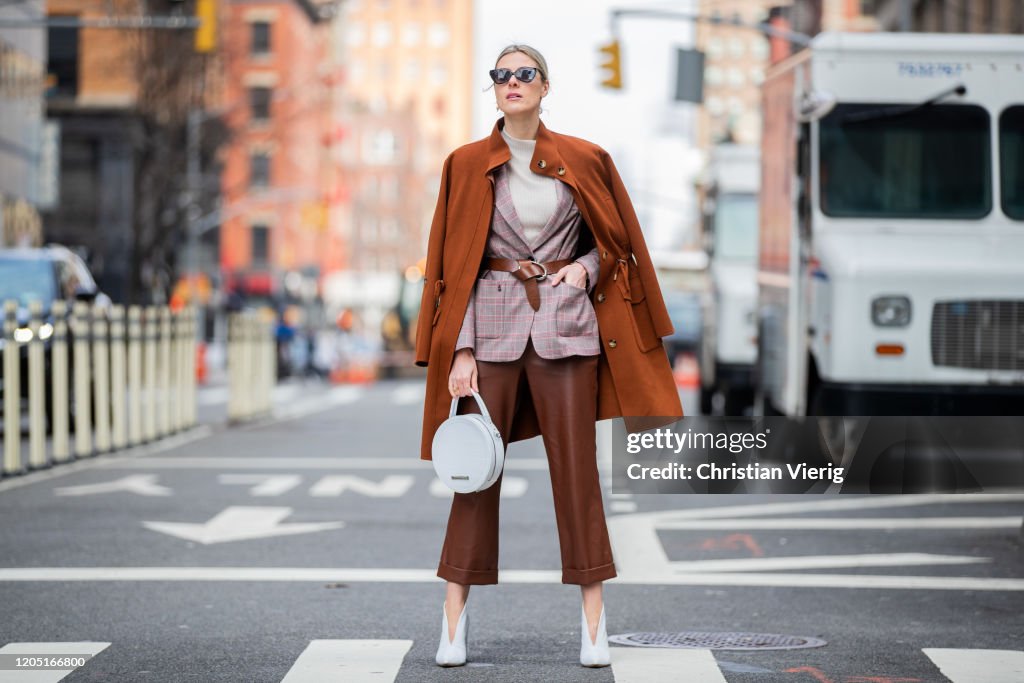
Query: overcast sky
x=648 y=135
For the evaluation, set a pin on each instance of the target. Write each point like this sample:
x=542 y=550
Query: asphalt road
x=305 y=549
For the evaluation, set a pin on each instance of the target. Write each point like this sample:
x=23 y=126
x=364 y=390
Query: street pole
x=193 y=211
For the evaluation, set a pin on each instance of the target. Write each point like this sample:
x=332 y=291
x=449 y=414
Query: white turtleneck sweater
x=534 y=196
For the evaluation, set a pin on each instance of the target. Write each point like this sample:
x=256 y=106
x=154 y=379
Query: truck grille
x=979 y=334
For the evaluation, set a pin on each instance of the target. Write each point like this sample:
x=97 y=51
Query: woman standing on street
x=529 y=225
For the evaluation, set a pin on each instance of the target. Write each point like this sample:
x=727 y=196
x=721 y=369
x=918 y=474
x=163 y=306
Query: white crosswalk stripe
x=379 y=661
x=352 y=661
x=646 y=665
x=978 y=666
x=9 y=675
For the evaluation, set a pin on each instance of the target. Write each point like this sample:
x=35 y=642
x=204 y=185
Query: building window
x=369 y=230
x=260 y=38
x=389 y=189
x=389 y=230
x=356 y=70
x=355 y=34
x=411 y=34
x=62 y=60
x=381 y=34
x=259 y=103
x=438 y=34
x=737 y=47
x=412 y=70
x=369 y=189
x=759 y=48
x=259 y=169
x=260 y=236
x=736 y=78
x=439 y=73
x=716 y=48
x=713 y=76
x=380 y=147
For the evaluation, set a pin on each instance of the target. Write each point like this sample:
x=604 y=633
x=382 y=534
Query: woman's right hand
x=463 y=374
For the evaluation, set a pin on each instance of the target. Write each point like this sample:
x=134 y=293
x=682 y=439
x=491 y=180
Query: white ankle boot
x=453 y=652
x=594 y=653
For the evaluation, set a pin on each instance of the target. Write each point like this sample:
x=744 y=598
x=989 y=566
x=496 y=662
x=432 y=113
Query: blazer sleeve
x=433 y=276
x=592 y=264
x=655 y=302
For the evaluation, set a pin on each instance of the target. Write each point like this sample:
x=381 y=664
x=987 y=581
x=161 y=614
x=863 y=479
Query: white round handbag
x=467 y=450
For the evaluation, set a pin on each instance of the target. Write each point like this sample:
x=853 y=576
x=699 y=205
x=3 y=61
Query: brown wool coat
x=634 y=377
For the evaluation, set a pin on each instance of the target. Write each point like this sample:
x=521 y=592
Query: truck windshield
x=26 y=281
x=931 y=162
x=736 y=227
x=1011 y=160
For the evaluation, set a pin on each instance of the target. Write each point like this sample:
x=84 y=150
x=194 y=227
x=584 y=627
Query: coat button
x=612 y=343
x=542 y=163
x=561 y=170
x=600 y=298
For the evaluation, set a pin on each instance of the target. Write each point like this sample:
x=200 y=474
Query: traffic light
x=206 y=34
x=613 y=65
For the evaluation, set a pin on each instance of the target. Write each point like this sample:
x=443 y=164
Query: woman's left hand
x=574 y=274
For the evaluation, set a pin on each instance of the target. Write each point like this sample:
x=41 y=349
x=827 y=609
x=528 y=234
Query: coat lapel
x=546 y=161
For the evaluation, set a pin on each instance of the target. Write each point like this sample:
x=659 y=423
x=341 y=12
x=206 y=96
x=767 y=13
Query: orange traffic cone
x=687 y=372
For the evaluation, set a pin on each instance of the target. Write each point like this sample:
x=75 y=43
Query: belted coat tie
x=634 y=376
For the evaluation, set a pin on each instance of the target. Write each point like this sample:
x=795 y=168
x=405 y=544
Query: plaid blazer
x=499 y=319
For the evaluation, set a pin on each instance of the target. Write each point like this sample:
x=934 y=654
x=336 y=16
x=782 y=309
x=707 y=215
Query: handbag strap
x=479 y=402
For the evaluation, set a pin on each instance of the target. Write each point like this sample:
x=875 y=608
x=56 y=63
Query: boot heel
x=453 y=652
x=594 y=653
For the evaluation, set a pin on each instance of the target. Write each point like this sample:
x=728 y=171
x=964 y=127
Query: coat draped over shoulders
x=635 y=379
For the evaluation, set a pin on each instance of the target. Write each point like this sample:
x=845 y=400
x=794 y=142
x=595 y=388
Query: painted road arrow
x=239 y=523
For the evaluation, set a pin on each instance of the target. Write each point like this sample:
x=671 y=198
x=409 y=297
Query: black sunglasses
x=524 y=74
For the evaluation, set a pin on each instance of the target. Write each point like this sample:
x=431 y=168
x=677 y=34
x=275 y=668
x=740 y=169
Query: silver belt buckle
x=542 y=276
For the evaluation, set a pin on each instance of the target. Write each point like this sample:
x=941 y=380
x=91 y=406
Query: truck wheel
x=736 y=401
x=707 y=395
x=763 y=405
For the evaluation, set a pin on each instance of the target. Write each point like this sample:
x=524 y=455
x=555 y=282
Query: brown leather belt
x=528 y=272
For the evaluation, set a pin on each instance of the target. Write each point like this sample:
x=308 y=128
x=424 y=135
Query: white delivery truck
x=891 y=248
x=728 y=347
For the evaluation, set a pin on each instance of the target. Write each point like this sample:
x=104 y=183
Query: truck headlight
x=891 y=311
x=45 y=331
x=23 y=335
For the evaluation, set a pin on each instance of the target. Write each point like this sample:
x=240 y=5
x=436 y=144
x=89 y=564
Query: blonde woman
x=540 y=295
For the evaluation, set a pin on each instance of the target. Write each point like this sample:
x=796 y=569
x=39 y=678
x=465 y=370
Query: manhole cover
x=717 y=641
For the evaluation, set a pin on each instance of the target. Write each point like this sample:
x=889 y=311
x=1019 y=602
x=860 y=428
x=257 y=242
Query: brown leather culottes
x=564 y=393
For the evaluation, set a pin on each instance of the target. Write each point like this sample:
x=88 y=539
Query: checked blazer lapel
x=557 y=221
x=506 y=208
x=513 y=229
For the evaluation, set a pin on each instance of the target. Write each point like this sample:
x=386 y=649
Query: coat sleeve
x=655 y=302
x=433 y=276
x=467 y=335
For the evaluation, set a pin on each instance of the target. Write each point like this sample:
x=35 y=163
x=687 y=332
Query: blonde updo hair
x=532 y=53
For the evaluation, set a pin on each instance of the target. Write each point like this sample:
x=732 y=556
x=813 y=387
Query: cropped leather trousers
x=564 y=394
